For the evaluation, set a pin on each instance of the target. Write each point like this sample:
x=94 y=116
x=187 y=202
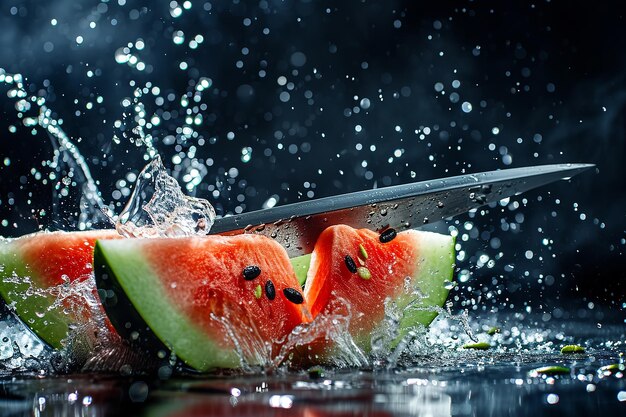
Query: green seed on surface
x=258 y=292
x=614 y=367
x=573 y=349
x=477 y=346
x=363 y=252
x=364 y=272
x=494 y=330
x=550 y=370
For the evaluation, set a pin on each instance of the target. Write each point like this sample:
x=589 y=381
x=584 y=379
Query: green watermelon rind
x=301 y=266
x=53 y=327
x=435 y=268
x=127 y=267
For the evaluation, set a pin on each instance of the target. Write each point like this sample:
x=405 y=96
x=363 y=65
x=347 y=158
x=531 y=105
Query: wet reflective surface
x=503 y=388
x=448 y=381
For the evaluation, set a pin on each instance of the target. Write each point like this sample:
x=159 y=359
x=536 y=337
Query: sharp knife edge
x=296 y=226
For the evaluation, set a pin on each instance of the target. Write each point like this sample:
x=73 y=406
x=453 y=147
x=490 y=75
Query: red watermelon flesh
x=47 y=279
x=412 y=265
x=192 y=294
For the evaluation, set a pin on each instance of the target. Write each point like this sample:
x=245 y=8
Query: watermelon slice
x=207 y=300
x=46 y=278
x=214 y=301
x=366 y=270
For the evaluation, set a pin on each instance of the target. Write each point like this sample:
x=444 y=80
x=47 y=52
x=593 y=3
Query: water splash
x=168 y=212
x=249 y=346
x=89 y=328
x=20 y=350
x=69 y=164
x=325 y=340
x=141 y=138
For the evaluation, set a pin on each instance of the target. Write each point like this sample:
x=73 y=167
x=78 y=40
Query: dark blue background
x=550 y=76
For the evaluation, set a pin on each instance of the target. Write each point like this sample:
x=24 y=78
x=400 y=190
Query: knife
x=296 y=226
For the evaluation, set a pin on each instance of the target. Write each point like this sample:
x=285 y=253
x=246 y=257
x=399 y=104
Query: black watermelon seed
x=250 y=272
x=388 y=235
x=293 y=295
x=350 y=264
x=270 y=291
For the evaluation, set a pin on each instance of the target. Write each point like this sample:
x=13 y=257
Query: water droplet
x=178 y=37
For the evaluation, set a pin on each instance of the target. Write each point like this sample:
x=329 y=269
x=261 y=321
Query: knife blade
x=296 y=226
